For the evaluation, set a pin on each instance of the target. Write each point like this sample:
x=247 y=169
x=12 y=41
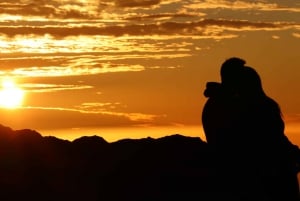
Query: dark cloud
x=68 y=10
x=158 y=16
x=136 y=3
x=166 y=28
x=76 y=9
x=31 y=9
x=50 y=9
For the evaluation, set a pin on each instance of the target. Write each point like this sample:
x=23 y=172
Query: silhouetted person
x=221 y=103
x=245 y=129
x=271 y=157
x=219 y=117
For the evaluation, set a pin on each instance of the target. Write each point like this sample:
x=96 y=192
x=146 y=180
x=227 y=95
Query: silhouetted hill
x=33 y=167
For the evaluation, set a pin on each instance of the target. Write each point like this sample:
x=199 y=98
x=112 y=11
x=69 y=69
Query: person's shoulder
x=269 y=104
x=270 y=101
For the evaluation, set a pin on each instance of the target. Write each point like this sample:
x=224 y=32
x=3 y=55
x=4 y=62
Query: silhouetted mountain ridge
x=33 y=167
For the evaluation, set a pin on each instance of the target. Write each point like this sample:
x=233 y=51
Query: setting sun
x=11 y=96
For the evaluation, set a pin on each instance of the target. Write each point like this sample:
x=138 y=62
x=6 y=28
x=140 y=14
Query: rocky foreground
x=33 y=167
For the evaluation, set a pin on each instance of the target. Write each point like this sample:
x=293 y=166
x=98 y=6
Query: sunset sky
x=138 y=68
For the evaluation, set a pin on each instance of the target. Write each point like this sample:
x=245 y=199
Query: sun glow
x=11 y=96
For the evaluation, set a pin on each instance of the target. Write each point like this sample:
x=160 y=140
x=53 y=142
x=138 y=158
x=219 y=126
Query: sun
x=11 y=96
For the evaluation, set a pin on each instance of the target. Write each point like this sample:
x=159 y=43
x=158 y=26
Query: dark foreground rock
x=33 y=167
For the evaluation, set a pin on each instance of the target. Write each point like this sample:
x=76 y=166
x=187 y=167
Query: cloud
x=95 y=48
x=107 y=108
x=276 y=37
x=53 y=71
x=58 y=66
x=50 y=9
x=39 y=118
x=296 y=35
x=87 y=114
x=83 y=65
x=136 y=3
x=67 y=9
x=101 y=108
x=39 y=88
x=165 y=28
x=115 y=10
x=164 y=16
x=238 y=5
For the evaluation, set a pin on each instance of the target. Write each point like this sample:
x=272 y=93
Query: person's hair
x=250 y=82
x=230 y=70
x=252 y=90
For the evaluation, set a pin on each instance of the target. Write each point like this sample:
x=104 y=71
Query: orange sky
x=136 y=68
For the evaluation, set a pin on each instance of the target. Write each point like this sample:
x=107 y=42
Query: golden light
x=11 y=96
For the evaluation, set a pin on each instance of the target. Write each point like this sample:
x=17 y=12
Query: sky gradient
x=138 y=68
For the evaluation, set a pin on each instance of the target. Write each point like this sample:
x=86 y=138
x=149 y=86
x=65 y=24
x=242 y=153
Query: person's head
x=231 y=72
x=251 y=90
x=250 y=83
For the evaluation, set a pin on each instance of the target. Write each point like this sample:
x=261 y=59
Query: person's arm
x=212 y=89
